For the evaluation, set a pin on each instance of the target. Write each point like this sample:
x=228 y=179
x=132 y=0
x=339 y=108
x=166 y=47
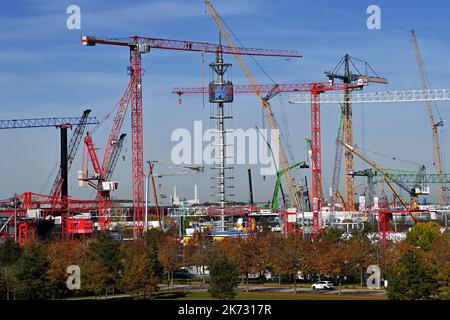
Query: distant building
x=176 y=201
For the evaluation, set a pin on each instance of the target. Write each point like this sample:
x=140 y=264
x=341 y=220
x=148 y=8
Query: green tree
x=412 y=279
x=31 y=272
x=152 y=240
x=423 y=234
x=224 y=278
x=9 y=254
x=101 y=265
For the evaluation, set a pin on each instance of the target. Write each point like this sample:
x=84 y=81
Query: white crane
x=378 y=97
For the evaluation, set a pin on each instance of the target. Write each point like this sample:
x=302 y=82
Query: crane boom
x=43 y=122
x=389 y=179
x=114 y=157
x=396 y=194
x=378 y=97
x=269 y=115
x=113 y=138
x=335 y=195
x=258 y=88
x=93 y=155
x=74 y=143
x=183 y=45
x=270 y=88
x=434 y=125
x=280 y=174
x=375 y=165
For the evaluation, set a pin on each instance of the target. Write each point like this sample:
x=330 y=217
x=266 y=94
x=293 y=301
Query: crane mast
x=347 y=78
x=434 y=125
x=269 y=115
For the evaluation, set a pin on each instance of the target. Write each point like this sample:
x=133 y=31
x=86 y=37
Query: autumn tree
x=274 y=263
x=171 y=256
x=439 y=256
x=140 y=277
x=62 y=254
x=262 y=242
x=331 y=254
x=101 y=264
x=361 y=254
x=388 y=255
x=290 y=257
x=242 y=253
x=202 y=250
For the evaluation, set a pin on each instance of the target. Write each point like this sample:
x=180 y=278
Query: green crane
x=280 y=174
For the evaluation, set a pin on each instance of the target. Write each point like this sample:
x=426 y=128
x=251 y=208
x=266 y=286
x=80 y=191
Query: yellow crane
x=348 y=77
x=269 y=115
x=387 y=179
x=433 y=123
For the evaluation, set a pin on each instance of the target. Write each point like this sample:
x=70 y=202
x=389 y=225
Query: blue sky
x=44 y=71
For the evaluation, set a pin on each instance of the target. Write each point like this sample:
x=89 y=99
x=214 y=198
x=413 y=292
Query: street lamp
x=151 y=164
x=146 y=202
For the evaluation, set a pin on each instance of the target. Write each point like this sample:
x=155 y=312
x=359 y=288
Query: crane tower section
x=221 y=95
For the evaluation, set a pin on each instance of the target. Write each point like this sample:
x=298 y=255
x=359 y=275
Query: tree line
x=415 y=268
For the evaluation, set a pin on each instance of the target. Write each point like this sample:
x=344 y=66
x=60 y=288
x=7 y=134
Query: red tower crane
x=102 y=185
x=138 y=46
x=315 y=89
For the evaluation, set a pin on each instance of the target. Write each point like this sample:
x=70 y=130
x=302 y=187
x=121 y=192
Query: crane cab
x=363 y=82
x=88 y=41
x=143 y=48
x=110 y=185
x=422 y=191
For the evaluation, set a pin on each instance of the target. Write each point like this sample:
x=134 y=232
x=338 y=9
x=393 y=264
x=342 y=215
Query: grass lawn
x=283 y=296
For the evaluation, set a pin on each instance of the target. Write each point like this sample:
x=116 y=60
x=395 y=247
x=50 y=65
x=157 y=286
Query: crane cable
x=284 y=133
x=391 y=157
x=55 y=165
x=203 y=78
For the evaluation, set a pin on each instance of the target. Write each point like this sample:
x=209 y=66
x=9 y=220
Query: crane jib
x=188 y=46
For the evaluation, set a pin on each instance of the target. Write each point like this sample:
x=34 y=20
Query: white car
x=322 y=285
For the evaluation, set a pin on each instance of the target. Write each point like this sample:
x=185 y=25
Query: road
x=261 y=288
